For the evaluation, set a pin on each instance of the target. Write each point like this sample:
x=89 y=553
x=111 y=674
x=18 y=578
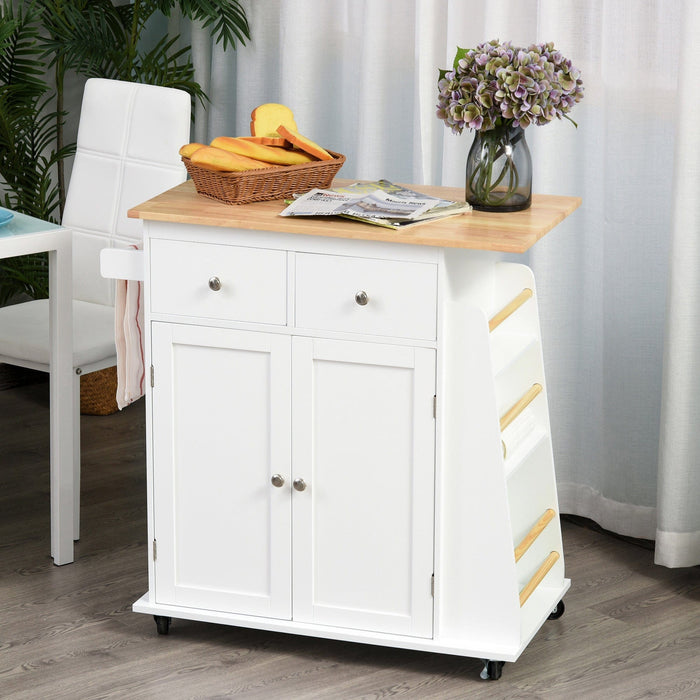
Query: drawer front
x=252 y=282
x=364 y=295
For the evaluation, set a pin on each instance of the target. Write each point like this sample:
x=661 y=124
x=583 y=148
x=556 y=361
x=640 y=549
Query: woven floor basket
x=98 y=392
x=266 y=183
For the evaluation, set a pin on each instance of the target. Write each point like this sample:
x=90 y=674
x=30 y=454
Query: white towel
x=128 y=335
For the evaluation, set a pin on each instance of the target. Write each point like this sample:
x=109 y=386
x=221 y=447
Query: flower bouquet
x=498 y=90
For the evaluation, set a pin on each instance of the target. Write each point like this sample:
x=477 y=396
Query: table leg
x=61 y=398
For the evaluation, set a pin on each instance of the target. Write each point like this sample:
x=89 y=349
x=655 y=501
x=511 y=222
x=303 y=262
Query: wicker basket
x=98 y=392
x=266 y=183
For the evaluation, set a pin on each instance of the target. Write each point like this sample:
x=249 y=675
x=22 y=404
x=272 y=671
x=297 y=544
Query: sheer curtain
x=619 y=281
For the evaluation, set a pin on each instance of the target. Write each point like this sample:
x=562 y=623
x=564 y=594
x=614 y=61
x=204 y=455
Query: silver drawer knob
x=299 y=484
x=277 y=480
x=214 y=284
x=361 y=298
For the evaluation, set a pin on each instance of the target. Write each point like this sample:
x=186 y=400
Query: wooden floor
x=631 y=629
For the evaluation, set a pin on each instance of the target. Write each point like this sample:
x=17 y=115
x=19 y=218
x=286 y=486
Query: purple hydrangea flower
x=497 y=82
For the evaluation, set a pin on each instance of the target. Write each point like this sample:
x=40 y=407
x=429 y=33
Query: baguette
x=225 y=161
x=269 y=154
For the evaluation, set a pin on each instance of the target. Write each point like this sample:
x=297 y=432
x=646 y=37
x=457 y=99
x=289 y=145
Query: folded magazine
x=380 y=202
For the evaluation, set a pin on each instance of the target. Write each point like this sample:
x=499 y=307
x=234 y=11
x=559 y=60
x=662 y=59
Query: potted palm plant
x=45 y=42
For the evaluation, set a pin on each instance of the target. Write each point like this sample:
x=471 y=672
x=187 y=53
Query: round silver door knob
x=277 y=480
x=214 y=284
x=361 y=298
x=299 y=484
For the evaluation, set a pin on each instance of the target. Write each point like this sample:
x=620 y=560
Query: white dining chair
x=127 y=151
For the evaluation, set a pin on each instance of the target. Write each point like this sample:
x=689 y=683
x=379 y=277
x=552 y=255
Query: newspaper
x=375 y=204
x=361 y=201
x=396 y=190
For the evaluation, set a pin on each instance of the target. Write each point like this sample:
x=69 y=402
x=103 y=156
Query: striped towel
x=128 y=336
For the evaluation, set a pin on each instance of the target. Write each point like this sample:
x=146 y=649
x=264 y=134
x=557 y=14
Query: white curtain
x=619 y=281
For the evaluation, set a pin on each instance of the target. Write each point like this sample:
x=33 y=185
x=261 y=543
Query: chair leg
x=76 y=456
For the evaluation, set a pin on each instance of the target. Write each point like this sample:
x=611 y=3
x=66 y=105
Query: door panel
x=364 y=445
x=221 y=412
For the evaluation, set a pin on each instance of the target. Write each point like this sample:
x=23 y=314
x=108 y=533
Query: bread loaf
x=219 y=159
x=265 y=119
x=269 y=154
x=305 y=144
x=189 y=148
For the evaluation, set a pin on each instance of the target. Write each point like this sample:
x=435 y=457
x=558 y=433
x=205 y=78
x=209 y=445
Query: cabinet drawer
x=252 y=282
x=364 y=295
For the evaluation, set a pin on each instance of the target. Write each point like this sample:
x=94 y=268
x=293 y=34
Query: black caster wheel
x=558 y=611
x=492 y=670
x=163 y=623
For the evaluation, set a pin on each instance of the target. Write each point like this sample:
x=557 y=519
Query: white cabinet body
x=221 y=426
x=338 y=443
x=363 y=440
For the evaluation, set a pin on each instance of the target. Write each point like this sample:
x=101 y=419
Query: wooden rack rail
x=510 y=308
x=520 y=405
x=534 y=533
x=535 y=581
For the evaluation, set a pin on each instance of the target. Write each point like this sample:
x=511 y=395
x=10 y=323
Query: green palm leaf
x=89 y=36
x=226 y=19
x=28 y=275
x=28 y=128
x=163 y=65
x=20 y=69
x=95 y=38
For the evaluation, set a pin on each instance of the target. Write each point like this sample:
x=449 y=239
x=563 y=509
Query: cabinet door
x=364 y=444
x=221 y=430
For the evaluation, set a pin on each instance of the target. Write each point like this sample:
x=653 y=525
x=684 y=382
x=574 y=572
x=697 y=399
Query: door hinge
x=435 y=406
x=155 y=551
x=153 y=381
x=432 y=585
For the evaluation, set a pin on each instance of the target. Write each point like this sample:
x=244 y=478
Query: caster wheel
x=162 y=623
x=492 y=670
x=558 y=611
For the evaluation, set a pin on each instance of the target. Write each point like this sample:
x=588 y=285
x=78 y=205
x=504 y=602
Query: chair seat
x=24 y=332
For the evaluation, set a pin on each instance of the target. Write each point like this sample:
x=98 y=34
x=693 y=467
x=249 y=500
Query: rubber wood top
x=512 y=232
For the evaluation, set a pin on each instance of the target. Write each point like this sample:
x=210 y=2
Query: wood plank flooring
x=630 y=630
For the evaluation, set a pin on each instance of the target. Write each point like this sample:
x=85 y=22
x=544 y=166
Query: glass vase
x=499 y=170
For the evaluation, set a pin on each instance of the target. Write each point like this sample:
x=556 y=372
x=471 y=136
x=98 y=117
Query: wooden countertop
x=511 y=233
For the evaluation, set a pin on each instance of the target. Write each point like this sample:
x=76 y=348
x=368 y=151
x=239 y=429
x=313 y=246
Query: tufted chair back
x=127 y=152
